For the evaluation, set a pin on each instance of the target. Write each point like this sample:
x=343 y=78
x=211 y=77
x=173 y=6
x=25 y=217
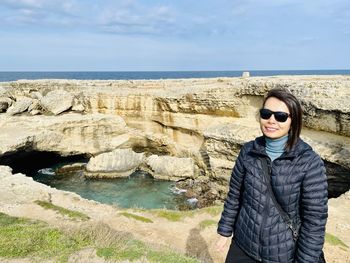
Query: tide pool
x=139 y=190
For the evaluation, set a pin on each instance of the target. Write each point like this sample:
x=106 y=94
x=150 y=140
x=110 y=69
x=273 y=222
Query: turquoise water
x=139 y=190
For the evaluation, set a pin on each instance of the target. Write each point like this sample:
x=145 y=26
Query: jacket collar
x=259 y=148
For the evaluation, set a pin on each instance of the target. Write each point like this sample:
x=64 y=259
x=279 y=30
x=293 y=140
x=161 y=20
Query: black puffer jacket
x=300 y=185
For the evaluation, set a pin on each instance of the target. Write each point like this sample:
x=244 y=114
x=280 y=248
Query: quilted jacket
x=299 y=182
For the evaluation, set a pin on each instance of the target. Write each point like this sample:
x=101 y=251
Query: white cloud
x=180 y=19
x=24 y=3
x=38 y=13
x=137 y=19
x=51 y=6
x=117 y=17
x=182 y=34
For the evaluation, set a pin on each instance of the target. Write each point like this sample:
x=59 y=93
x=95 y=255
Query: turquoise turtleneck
x=275 y=147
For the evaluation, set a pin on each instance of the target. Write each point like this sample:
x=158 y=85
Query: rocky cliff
x=206 y=120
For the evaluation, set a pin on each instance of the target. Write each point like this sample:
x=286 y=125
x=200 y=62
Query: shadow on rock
x=197 y=247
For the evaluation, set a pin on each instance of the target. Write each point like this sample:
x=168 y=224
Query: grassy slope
x=21 y=238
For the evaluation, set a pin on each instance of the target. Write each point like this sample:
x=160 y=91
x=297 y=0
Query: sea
x=147 y=75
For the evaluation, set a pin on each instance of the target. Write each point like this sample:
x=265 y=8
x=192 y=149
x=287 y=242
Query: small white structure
x=245 y=74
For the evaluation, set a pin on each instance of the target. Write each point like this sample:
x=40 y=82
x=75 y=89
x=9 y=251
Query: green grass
x=27 y=238
x=176 y=215
x=207 y=223
x=136 y=250
x=6 y=220
x=136 y=217
x=169 y=257
x=213 y=210
x=24 y=238
x=335 y=241
x=63 y=211
x=132 y=250
x=173 y=215
x=170 y=215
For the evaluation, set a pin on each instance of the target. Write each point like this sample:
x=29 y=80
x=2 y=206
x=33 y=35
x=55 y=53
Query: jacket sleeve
x=314 y=213
x=231 y=205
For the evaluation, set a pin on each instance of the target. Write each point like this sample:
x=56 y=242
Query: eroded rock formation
x=118 y=163
x=206 y=120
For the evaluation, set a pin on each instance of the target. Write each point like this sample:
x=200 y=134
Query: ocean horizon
x=134 y=75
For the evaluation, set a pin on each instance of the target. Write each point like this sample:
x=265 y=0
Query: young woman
x=296 y=176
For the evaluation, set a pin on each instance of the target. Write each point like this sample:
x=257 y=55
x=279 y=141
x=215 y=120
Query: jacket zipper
x=265 y=212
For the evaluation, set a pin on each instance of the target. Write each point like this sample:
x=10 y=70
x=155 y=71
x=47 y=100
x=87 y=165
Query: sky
x=178 y=35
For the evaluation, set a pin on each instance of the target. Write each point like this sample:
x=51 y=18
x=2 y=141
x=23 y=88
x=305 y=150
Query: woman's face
x=271 y=128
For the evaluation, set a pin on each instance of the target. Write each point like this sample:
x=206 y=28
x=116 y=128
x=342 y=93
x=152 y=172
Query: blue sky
x=134 y=35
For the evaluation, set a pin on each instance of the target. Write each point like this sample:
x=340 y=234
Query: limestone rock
x=5 y=93
x=17 y=189
x=57 y=101
x=5 y=170
x=207 y=120
x=118 y=163
x=66 y=134
x=83 y=134
x=2 y=92
x=36 y=95
x=20 y=188
x=224 y=97
x=346 y=195
x=78 y=108
x=223 y=143
x=70 y=168
x=79 y=103
x=171 y=168
x=5 y=103
x=35 y=107
x=21 y=105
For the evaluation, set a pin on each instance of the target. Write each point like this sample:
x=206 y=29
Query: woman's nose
x=272 y=119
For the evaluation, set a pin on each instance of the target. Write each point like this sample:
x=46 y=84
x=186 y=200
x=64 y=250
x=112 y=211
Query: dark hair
x=295 y=110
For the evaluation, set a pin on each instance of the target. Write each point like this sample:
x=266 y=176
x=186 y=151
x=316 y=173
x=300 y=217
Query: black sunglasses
x=280 y=116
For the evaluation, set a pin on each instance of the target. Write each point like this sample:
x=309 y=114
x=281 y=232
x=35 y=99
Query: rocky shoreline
x=186 y=130
x=189 y=131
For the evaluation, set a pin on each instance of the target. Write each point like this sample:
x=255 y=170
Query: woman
x=299 y=184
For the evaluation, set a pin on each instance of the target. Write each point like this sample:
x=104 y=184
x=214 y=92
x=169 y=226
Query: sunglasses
x=280 y=116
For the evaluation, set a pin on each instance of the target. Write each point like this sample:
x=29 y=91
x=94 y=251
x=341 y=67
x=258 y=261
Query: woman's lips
x=270 y=129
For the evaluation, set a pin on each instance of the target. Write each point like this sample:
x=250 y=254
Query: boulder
x=118 y=163
x=171 y=168
x=35 y=107
x=21 y=105
x=4 y=93
x=79 y=104
x=5 y=103
x=5 y=171
x=57 y=101
x=70 y=168
x=36 y=95
x=20 y=187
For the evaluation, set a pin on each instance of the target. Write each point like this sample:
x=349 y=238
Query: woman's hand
x=221 y=243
